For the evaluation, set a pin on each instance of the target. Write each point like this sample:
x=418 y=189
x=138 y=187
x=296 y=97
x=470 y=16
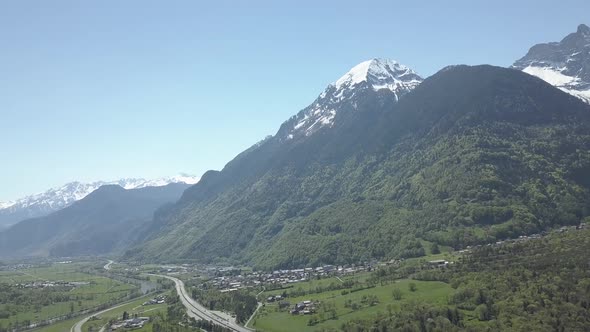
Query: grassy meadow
x=271 y=318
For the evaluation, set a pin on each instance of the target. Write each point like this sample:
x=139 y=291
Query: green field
x=63 y=326
x=270 y=318
x=133 y=308
x=37 y=304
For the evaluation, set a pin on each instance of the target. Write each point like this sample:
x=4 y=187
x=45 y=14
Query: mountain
x=55 y=199
x=108 y=219
x=470 y=155
x=385 y=76
x=564 y=64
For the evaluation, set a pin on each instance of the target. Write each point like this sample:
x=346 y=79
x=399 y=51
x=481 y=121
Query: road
x=108 y=266
x=78 y=326
x=197 y=311
x=253 y=314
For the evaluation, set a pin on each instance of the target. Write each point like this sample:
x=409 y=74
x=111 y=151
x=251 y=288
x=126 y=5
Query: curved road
x=197 y=311
x=108 y=266
x=78 y=326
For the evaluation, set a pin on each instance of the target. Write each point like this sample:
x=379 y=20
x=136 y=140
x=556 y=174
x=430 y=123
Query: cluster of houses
x=59 y=283
x=303 y=308
x=274 y=298
x=16 y=267
x=567 y=228
x=227 y=282
x=156 y=300
x=132 y=323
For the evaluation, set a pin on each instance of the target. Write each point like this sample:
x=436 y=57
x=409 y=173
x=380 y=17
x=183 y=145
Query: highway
x=197 y=311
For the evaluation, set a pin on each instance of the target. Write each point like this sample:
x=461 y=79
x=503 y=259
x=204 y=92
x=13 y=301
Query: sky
x=101 y=90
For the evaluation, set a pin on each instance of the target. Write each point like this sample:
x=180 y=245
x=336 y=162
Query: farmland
x=132 y=309
x=55 y=291
x=346 y=305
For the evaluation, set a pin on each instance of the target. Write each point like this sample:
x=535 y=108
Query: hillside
x=109 y=219
x=470 y=155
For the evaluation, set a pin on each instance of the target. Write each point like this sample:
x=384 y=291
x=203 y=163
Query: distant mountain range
x=383 y=162
x=107 y=220
x=55 y=199
x=564 y=64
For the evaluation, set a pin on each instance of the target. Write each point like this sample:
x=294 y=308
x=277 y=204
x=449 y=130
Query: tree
x=397 y=294
x=333 y=314
x=312 y=321
x=483 y=312
x=434 y=249
x=412 y=287
x=125 y=315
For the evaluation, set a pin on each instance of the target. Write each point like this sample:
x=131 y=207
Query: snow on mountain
x=380 y=74
x=564 y=64
x=4 y=205
x=58 y=198
x=375 y=74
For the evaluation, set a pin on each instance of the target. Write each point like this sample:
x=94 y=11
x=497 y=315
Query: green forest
x=535 y=285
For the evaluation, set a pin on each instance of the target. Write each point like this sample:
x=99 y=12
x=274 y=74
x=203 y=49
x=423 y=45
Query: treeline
x=241 y=303
x=540 y=285
x=176 y=320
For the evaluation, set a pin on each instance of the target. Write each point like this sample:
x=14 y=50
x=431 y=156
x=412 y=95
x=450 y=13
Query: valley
x=449 y=191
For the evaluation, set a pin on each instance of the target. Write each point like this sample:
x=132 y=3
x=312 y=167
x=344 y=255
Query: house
x=134 y=323
x=439 y=263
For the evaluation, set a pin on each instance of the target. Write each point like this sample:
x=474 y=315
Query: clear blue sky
x=98 y=90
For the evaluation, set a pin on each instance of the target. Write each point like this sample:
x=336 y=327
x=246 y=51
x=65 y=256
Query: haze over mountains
x=55 y=199
x=382 y=163
x=107 y=220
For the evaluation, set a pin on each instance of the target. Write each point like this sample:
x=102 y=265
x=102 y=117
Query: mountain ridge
x=564 y=64
x=57 y=198
x=450 y=162
x=383 y=76
x=106 y=220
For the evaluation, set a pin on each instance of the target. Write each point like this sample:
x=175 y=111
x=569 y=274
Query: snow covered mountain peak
x=60 y=197
x=4 y=205
x=564 y=64
x=383 y=76
x=380 y=74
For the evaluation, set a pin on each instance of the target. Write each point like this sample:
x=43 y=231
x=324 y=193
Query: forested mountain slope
x=470 y=155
